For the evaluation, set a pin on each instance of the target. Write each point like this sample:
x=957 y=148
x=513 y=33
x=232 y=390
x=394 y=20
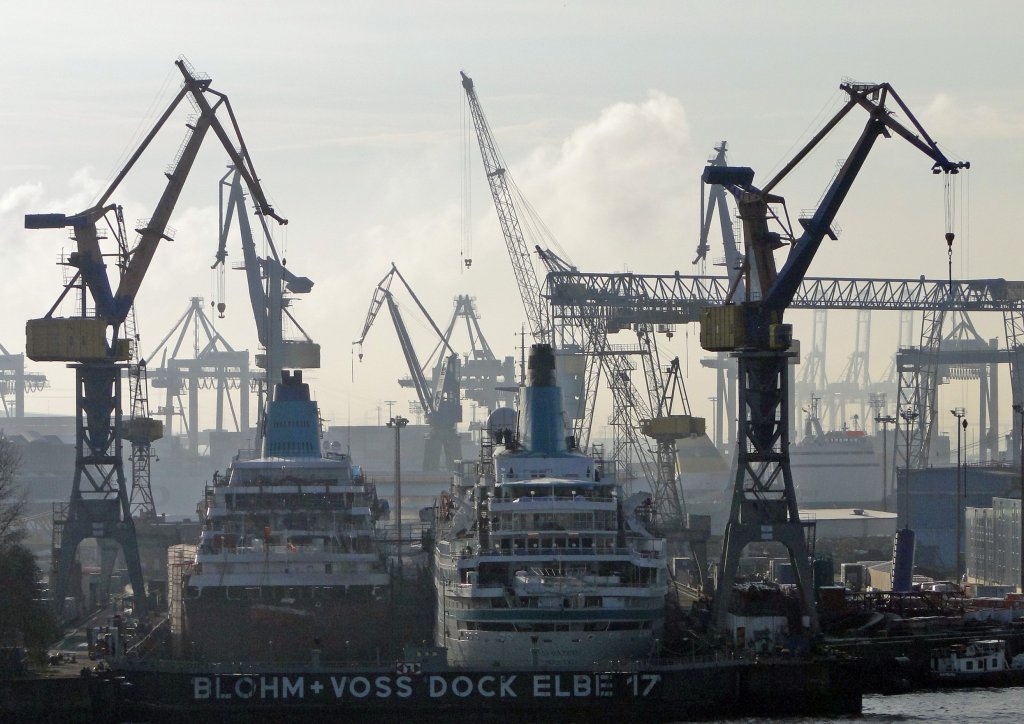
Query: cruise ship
x=540 y=562
x=289 y=566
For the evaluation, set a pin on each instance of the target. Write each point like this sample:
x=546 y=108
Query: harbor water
x=948 y=706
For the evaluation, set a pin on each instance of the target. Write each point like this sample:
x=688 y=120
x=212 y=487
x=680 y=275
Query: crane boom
x=515 y=242
x=778 y=288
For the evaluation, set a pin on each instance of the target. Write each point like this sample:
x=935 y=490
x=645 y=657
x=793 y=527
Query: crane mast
x=764 y=505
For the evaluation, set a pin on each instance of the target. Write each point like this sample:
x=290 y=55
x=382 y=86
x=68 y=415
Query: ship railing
x=517 y=528
x=577 y=498
x=553 y=551
x=289 y=549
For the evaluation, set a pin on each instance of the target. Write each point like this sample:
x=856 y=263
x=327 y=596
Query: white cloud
x=615 y=189
x=947 y=117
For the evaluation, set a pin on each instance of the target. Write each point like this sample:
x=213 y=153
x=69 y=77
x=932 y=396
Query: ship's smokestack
x=541 y=429
x=542 y=366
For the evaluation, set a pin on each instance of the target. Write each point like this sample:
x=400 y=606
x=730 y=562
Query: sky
x=605 y=112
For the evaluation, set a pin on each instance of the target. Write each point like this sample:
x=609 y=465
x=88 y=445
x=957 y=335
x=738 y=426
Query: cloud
x=946 y=116
x=614 y=189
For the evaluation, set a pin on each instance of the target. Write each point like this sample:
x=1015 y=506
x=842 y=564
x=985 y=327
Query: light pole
x=908 y=415
x=398 y=423
x=1019 y=409
x=963 y=424
x=958 y=413
x=885 y=421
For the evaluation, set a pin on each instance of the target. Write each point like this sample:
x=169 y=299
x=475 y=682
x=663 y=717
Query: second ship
x=540 y=560
x=290 y=564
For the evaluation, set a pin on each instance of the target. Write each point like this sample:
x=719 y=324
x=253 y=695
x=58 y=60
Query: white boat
x=977 y=663
x=289 y=561
x=540 y=561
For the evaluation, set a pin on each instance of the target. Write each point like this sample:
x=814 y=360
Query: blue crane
x=750 y=325
x=93 y=340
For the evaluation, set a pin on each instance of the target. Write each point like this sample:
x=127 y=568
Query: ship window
x=970 y=666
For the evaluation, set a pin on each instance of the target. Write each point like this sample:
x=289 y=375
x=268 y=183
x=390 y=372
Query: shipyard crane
x=580 y=396
x=764 y=505
x=212 y=364
x=268 y=278
x=623 y=300
x=508 y=201
x=718 y=201
x=94 y=343
x=631 y=412
x=439 y=399
x=484 y=378
x=15 y=382
x=502 y=188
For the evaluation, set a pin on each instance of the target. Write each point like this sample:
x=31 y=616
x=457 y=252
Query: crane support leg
x=99 y=505
x=764 y=506
x=1013 y=323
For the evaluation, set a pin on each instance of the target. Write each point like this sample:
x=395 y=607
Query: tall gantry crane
x=94 y=343
x=718 y=201
x=439 y=397
x=268 y=279
x=194 y=356
x=764 y=505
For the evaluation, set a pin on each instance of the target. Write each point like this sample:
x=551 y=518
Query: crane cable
x=949 y=193
x=466 y=238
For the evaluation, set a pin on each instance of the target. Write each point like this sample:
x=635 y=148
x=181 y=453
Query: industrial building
x=993 y=543
x=932 y=511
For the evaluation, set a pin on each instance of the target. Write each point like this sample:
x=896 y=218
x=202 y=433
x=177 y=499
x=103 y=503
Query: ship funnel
x=542 y=366
x=291 y=388
x=291 y=426
x=541 y=428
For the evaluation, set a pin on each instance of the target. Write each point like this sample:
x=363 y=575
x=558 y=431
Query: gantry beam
x=625 y=299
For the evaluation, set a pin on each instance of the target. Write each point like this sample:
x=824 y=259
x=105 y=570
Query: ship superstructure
x=838 y=468
x=541 y=562
x=289 y=561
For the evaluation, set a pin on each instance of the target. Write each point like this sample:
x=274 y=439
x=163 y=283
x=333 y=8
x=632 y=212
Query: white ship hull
x=554 y=650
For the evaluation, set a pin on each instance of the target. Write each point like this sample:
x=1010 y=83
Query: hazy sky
x=605 y=112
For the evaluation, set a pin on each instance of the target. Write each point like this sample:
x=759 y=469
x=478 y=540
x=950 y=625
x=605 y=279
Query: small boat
x=978 y=663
